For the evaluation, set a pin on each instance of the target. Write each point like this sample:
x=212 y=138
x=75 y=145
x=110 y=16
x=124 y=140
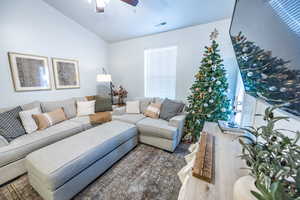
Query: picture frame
x=66 y=73
x=29 y=72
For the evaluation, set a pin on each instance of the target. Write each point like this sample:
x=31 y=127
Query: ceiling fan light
x=100 y=5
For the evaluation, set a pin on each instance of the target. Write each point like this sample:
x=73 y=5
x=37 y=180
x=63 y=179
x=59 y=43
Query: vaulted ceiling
x=121 y=21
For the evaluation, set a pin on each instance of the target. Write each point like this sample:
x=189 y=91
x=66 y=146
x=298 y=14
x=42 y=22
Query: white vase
x=243 y=187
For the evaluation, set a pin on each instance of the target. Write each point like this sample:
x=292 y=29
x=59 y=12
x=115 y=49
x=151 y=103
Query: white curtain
x=160 y=72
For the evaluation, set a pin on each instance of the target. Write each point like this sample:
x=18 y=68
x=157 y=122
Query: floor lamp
x=106 y=78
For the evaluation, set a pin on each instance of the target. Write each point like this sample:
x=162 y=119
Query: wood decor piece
x=204 y=163
x=29 y=72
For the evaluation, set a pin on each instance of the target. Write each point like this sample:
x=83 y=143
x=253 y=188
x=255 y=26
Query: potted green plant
x=273 y=159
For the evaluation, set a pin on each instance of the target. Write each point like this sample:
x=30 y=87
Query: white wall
x=33 y=27
x=126 y=59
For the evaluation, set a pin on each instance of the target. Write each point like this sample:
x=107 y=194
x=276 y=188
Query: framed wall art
x=29 y=72
x=66 y=73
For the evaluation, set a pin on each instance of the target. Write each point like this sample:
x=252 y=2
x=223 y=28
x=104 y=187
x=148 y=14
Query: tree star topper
x=214 y=35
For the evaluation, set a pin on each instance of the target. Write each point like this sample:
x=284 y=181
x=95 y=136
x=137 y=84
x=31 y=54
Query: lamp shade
x=103 y=78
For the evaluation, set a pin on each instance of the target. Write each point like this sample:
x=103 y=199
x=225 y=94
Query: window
x=160 y=72
x=288 y=11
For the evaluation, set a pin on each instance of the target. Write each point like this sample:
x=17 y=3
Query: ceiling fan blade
x=100 y=5
x=131 y=2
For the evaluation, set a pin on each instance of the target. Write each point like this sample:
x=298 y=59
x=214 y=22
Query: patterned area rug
x=146 y=173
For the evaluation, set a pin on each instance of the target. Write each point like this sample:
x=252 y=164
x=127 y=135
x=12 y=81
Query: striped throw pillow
x=46 y=120
x=153 y=110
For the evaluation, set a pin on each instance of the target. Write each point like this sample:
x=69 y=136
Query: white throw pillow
x=27 y=120
x=133 y=107
x=85 y=108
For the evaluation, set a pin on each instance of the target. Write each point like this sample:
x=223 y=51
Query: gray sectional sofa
x=156 y=132
x=12 y=155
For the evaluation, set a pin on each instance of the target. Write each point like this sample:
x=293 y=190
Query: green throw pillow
x=103 y=104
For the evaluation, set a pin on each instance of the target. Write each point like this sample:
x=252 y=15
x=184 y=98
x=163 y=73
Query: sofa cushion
x=133 y=107
x=27 y=120
x=129 y=118
x=32 y=105
x=68 y=106
x=67 y=161
x=10 y=124
x=144 y=103
x=22 y=146
x=157 y=128
x=84 y=121
x=170 y=109
x=103 y=104
x=48 y=119
x=85 y=108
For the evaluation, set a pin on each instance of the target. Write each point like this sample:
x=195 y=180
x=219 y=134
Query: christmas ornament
x=209 y=62
x=245 y=49
x=245 y=57
x=264 y=76
x=218 y=82
x=283 y=89
x=211 y=101
x=223 y=109
x=205 y=105
x=272 y=88
x=213 y=78
x=250 y=74
x=214 y=68
x=197 y=89
x=208 y=115
x=214 y=35
x=209 y=90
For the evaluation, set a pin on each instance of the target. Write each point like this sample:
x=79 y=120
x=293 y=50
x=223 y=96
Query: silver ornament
x=250 y=74
x=209 y=62
x=283 y=89
x=264 y=76
x=211 y=101
x=272 y=88
x=223 y=109
x=209 y=90
x=218 y=82
x=214 y=68
x=205 y=105
x=208 y=115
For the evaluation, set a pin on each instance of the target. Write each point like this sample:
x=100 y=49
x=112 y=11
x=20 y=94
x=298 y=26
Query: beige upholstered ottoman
x=63 y=169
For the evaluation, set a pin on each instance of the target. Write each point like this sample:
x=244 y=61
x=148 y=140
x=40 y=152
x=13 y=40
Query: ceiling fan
x=100 y=4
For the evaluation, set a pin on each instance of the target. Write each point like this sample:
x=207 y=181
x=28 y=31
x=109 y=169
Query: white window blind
x=160 y=72
x=288 y=11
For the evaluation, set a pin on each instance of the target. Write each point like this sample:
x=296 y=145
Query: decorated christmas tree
x=266 y=76
x=208 y=101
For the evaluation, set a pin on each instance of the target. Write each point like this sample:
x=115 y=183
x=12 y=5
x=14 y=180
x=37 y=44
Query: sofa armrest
x=178 y=121
x=3 y=141
x=119 y=110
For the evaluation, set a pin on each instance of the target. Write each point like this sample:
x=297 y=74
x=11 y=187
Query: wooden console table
x=227 y=170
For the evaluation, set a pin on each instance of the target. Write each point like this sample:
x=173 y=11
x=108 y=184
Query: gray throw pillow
x=103 y=104
x=10 y=124
x=69 y=107
x=170 y=109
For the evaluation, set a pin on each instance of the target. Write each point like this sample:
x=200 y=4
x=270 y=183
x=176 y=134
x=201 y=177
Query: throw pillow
x=153 y=110
x=69 y=107
x=85 y=108
x=46 y=120
x=32 y=105
x=103 y=104
x=170 y=109
x=28 y=121
x=10 y=124
x=133 y=107
x=144 y=103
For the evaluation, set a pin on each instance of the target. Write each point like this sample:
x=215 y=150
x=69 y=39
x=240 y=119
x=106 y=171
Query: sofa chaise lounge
x=155 y=132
